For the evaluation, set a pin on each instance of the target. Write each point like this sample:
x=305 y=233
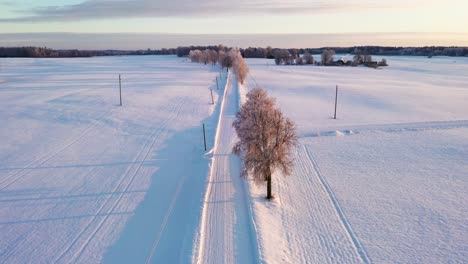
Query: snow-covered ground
x=85 y=180
x=227 y=234
x=387 y=182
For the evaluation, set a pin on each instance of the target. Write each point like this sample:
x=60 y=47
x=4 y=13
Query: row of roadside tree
x=266 y=137
x=225 y=59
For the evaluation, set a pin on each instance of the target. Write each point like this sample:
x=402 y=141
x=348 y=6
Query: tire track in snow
x=360 y=249
x=51 y=154
x=171 y=207
x=392 y=128
x=161 y=131
x=165 y=220
x=150 y=142
x=24 y=238
x=308 y=228
x=199 y=245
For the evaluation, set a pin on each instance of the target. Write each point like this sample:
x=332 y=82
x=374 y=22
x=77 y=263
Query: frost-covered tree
x=367 y=58
x=327 y=57
x=383 y=63
x=299 y=60
x=232 y=59
x=308 y=58
x=240 y=67
x=358 y=57
x=221 y=58
x=278 y=59
x=266 y=139
x=213 y=57
x=361 y=57
x=282 y=56
x=206 y=58
x=196 y=56
x=229 y=58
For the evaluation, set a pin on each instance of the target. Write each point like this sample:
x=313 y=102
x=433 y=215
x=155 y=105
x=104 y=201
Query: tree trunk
x=269 y=196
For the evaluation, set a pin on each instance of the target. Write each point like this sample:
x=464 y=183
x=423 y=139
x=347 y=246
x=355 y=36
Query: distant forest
x=269 y=52
x=37 y=52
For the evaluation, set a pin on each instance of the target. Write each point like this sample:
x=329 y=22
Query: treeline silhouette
x=251 y=52
x=38 y=52
x=269 y=52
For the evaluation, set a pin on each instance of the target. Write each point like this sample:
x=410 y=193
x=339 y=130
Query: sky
x=234 y=16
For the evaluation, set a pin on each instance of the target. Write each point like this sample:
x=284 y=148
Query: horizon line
x=261 y=33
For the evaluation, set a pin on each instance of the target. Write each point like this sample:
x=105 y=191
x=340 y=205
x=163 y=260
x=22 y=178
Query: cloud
x=113 y=9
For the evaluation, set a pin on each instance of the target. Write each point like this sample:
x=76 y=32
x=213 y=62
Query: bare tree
x=266 y=138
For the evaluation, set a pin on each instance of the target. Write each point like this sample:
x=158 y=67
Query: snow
x=404 y=193
x=384 y=183
x=227 y=234
x=85 y=180
x=411 y=89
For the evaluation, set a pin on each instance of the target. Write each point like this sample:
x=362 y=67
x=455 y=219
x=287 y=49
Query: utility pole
x=120 y=90
x=336 y=100
x=204 y=136
x=212 y=100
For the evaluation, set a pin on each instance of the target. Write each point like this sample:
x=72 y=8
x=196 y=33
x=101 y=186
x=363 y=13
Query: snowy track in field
x=360 y=249
x=226 y=233
x=383 y=183
x=392 y=128
x=305 y=225
x=18 y=174
x=84 y=180
x=127 y=179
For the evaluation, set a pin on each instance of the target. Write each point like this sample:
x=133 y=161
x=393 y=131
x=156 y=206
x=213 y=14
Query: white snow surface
x=227 y=234
x=83 y=180
x=387 y=182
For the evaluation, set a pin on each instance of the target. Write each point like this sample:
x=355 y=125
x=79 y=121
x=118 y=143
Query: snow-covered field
x=387 y=182
x=85 y=180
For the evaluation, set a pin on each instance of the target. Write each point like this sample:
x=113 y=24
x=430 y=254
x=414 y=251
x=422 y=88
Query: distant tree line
x=397 y=51
x=39 y=52
x=284 y=57
x=251 y=52
x=374 y=50
x=269 y=52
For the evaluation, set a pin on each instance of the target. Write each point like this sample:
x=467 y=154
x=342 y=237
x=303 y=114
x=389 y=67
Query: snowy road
x=227 y=234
